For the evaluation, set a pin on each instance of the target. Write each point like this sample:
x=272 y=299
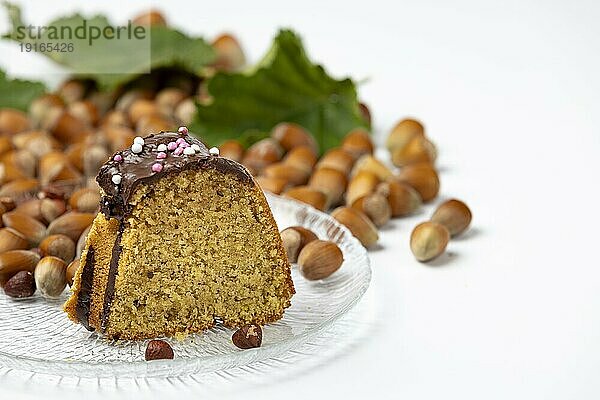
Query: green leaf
x=114 y=62
x=17 y=93
x=285 y=86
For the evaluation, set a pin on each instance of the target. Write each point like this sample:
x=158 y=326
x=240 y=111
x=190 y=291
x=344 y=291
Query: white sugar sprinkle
x=195 y=147
x=116 y=179
x=139 y=140
x=188 y=151
x=214 y=151
x=136 y=148
x=162 y=147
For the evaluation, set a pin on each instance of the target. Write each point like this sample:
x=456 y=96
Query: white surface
x=510 y=93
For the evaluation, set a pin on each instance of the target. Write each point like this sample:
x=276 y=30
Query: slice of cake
x=184 y=238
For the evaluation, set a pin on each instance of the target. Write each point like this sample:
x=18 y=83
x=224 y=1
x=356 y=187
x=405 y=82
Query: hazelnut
x=158 y=350
x=65 y=126
x=18 y=164
x=19 y=188
x=376 y=207
x=231 y=149
x=85 y=200
x=40 y=107
x=291 y=135
x=419 y=149
x=454 y=215
x=142 y=108
x=247 y=337
x=308 y=195
x=294 y=239
x=11 y=239
x=262 y=153
x=129 y=97
x=13 y=261
x=230 y=56
x=71 y=224
x=331 y=182
x=185 y=112
x=150 y=18
x=85 y=111
x=118 y=137
x=337 y=159
x=403 y=133
x=115 y=118
x=50 y=209
x=153 y=123
x=30 y=207
x=403 y=198
x=358 y=223
x=301 y=157
x=369 y=163
x=93 y=157
x=423 y=178
x=293 y=175
x=32 y=229
x=168 y=99
x=73 y=90
x=36 y=143
x=55 y=166
x=22 y=284
x=50 y=276
x=358 y=143
x=360 y=185
x=428 y=240
x=319 y=259
x=59 y=246
x=13 y=121
x=273 y=185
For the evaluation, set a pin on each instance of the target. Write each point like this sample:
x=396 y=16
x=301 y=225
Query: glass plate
x=36 y=336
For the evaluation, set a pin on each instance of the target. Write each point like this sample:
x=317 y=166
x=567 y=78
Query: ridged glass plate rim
x=186 y=366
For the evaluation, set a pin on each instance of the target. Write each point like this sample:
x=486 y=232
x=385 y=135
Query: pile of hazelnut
x=359 y=190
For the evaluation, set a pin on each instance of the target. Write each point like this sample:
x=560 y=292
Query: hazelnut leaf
x=18 y=93
x=285 y=86
x=109 y=61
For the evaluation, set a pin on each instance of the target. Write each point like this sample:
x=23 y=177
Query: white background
x=510 y=92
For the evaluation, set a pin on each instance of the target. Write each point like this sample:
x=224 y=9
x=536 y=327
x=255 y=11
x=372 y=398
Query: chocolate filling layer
x=84 y=300
x=112 y=277
x=133 y=169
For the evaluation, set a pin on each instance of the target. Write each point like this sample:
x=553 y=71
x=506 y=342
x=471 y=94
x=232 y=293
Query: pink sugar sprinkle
x=156 y=167
x=179 y=141
x=183 y=130
x=161 y=155
x=172 y=146
x=184 y=144
x=118 y=158
x=178 y=151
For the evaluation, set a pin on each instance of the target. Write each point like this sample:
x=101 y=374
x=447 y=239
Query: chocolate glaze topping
x=137 y=168
x=133 y=169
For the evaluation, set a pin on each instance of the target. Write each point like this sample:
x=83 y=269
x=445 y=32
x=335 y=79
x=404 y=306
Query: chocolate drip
x=84 y=300
x=113 y=269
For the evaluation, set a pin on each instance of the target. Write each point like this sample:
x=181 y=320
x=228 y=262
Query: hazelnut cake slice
x=183 y=238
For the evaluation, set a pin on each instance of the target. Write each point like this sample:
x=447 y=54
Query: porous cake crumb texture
x=197 y=246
